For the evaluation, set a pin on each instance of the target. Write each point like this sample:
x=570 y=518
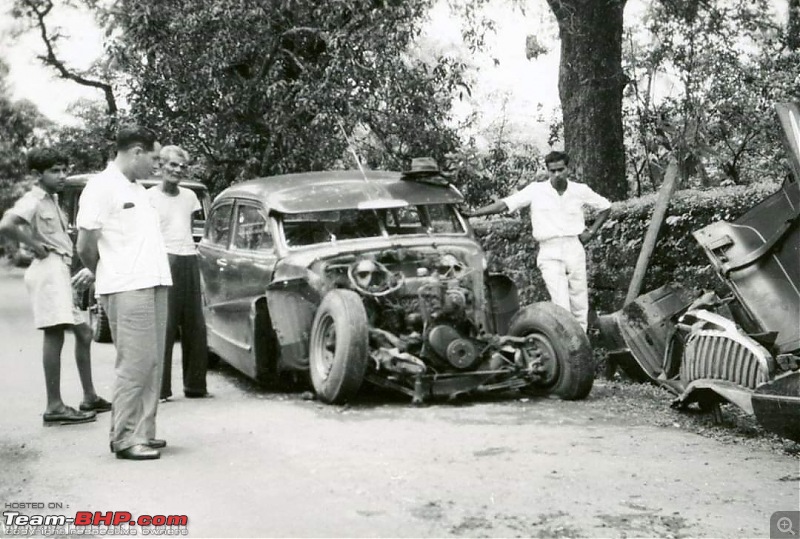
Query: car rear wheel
x=559 y=350
x=98 y=321
x=339 y=346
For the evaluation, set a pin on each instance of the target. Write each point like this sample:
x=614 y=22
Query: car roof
x=81 y=179
x=338 y=190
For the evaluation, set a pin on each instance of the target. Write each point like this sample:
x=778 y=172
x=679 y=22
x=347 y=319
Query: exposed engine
x=422 y=310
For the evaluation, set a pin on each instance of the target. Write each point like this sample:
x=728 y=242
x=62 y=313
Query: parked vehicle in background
x=353 y=277
x=743 y=348
x=68 y=200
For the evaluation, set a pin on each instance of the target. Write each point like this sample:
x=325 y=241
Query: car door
x=213 y=257
x=251 y=262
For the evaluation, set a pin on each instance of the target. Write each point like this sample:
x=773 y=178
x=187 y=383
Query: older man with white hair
x=175 y=206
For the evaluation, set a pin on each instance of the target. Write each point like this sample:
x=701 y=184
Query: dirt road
x=253 y=464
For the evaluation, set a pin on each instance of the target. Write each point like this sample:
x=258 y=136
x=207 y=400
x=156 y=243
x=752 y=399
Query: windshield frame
x=327 y=227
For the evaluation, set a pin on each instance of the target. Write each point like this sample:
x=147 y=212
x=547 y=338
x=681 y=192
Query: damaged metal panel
x=292 y=310
x=643 y=328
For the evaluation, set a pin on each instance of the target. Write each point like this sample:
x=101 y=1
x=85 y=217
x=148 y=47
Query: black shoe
x=138 y=452
x=198 y=395
x=98 y=405
x=155 y=443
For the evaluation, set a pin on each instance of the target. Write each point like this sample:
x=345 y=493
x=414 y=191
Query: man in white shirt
x=120 y=241
x=175 y=206
x=558 y=226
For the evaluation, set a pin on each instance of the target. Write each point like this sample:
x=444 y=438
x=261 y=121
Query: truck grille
x=719 y=356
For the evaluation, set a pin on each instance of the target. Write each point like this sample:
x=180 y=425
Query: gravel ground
x=650 y=405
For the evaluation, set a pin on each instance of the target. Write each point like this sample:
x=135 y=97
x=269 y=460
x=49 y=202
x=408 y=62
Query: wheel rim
x=539 y=350
x=324 y=347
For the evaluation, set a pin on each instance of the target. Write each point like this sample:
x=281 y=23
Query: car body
x=743 y=348
x=353 y=276
x=68 y=200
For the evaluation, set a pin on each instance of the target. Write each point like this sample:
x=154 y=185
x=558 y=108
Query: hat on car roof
x=423 y=165
x=424 y=169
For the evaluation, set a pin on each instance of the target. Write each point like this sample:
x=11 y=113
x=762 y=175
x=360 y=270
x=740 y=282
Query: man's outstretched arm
x=489 y=209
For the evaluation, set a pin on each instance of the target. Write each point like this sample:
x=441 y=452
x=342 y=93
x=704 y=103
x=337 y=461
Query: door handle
x=222 y=263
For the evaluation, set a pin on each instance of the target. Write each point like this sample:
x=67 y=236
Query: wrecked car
x=353 y=277
x=743 y=347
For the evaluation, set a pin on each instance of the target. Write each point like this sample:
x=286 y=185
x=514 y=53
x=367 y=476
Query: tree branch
x=52 y=60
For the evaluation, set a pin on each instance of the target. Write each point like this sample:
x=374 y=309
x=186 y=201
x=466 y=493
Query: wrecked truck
x=354 y=277
x=742 y=347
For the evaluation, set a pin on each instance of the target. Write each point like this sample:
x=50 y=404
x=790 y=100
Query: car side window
x=252 y=229
x=218 y=228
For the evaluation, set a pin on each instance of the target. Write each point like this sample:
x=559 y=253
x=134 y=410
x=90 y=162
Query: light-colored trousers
x=138 y=322
x=562 y=262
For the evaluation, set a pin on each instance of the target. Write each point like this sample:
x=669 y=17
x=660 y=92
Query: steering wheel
x=372 y=278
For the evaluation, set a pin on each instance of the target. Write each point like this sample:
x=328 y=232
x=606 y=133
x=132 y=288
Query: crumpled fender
x=292 y=300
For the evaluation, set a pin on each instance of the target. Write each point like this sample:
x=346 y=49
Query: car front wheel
x=339 y=346
x=558 y=351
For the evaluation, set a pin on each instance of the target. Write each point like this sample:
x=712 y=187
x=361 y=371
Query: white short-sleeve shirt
x=175 y=217
x=554 y=215
x=132 y=253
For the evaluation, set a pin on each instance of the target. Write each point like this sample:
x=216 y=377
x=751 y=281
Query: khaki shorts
x=48 y=283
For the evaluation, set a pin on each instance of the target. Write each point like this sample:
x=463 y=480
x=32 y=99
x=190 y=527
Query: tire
x=339 y=346
x=98 y=321
x=563 y=347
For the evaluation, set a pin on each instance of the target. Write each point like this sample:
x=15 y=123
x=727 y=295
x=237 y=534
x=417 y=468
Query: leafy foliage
x=88 y=145
x=720 y=65
x=21 y=126
x=262 y=88
x=484 y=176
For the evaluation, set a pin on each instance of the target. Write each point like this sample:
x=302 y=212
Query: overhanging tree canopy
x=273 y=86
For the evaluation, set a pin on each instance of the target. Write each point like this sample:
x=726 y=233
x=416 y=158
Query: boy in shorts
x=37 y=221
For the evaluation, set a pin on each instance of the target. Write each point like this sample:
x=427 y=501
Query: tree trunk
x=793 y=28
x=590 y=85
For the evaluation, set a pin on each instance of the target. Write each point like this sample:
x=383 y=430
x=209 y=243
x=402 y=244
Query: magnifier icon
x=785 y=525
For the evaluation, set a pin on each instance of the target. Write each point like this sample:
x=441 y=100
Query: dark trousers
x=185 y=311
